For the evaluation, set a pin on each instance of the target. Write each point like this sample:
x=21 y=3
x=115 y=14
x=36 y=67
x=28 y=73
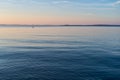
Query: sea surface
x=59 y=53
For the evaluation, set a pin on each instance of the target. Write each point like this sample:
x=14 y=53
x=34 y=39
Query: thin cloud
x=61 y=2
x=116 y=3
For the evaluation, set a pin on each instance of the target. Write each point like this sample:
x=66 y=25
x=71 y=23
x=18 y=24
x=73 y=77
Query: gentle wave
x=45 y=56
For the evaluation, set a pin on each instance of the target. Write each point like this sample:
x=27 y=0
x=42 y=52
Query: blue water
x=55 y=53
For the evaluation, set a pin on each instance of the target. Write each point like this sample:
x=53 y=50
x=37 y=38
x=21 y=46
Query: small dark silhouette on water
x=33 y=26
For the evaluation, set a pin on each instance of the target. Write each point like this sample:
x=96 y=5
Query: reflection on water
x=59 y=53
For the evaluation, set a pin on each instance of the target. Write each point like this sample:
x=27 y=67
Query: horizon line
x=59 y=24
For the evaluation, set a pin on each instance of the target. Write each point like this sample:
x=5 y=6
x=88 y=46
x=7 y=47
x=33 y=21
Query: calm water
x=54 y=53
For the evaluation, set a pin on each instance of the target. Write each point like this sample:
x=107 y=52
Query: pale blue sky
x=60 y=11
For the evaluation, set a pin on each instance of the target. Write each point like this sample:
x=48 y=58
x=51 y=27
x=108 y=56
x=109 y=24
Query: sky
x=59 y=12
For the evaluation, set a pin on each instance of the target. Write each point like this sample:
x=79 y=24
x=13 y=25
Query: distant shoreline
x=102 y=25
